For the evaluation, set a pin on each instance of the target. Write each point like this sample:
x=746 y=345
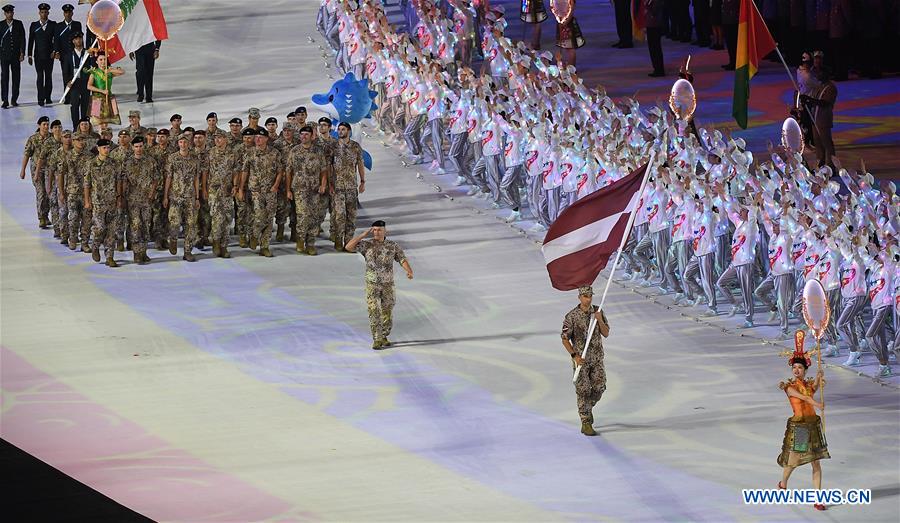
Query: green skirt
x=804 y=442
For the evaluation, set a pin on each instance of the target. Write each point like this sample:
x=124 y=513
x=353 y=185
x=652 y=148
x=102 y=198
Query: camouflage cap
x=67 y=134
x=587 y=290
x=253 y=112
x=134 y=112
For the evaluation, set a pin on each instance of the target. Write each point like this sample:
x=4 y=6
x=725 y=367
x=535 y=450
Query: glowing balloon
x=683 y=100
x=815 y=308
x=791 y=136
x=105 y=19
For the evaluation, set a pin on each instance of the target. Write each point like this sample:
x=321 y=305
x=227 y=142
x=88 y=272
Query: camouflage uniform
x=39 y=148
x=283 y=205
x=121 y=154
x=140 y=131
x=220 y=182
x=592 y=381
x=71 y=167
x=100 y=178
x=347 y=159
x=159 y=228
x=327 y=146
x=142 y=177
x=57 y=208
x=204 y=220
x=90 y=139
x=184 y=171
x=262 y=168
x=243 y=218
x=380 y=258
x=306 y=165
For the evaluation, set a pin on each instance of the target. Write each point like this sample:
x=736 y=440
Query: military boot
x=311 y=250
x=264 y=251
x=95 y=253
x=338 y=245
x=42 y=223
x=189 y=256
x=279 y=233
x=300 y=247
x=173 y=246
x=73 y=245
x=145 y=257
x=110 y=262
x=86 y=248
x=223 y=251
x=216 y=249
x=587 y=429
x=242 y=241
x=253 y=243
x=138 y=259
x=377 y=345
x=120 y=245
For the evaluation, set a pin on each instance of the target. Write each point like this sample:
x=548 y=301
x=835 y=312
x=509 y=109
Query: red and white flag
x=581 y=240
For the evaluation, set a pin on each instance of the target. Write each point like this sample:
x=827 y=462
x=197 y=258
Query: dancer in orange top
x=804 y=439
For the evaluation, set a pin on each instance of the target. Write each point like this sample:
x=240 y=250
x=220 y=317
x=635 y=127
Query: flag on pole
x=638 y=19
x=581 y=240
x=144 y=23
x=754 y=42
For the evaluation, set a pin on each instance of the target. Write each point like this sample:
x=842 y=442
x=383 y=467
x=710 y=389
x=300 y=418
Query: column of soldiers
x=156 y=185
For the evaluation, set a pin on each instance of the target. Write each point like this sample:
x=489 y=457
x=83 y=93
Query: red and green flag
x=754 y=42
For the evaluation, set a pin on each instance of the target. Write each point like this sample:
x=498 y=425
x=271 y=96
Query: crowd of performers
x=715 y=224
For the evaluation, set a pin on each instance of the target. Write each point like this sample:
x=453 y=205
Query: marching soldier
x=70 y=181
x=326 y=143
x=592 y=380
x=120 y=154
x=219 y=189
x=37 y=148
x=134 y=124
x=40 y=52
x=62 y=45
x=181 y=196
x=242 y=199
x=12 y=52
x=284 y=209
x=261 y=175
x=348 y=164
x=141 y=179
x=160 y=219
x=307 y=182
x=103 y=196
x=380 y=254
x=204 y=221
x=62 y=146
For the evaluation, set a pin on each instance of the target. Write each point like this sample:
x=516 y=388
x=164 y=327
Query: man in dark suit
x=144 y=58
x=40 y=52
x=62 y=43
x=79 y=97
x=12 y=52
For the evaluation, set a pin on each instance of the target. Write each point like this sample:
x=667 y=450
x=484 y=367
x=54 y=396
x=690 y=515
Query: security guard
x=12 y=52
x=62 y=45
x=41 y=36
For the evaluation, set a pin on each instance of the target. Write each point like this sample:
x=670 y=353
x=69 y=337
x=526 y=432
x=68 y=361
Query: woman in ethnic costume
x=533 y=13
x=568 y=32
x=104 y=108
x=804 y=438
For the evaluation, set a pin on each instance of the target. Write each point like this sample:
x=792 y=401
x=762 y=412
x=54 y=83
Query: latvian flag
x=581 y=240
x=144 y=23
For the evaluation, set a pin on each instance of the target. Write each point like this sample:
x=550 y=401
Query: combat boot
x=224 y=252
x=264 y=251
x=311 y=250
x=338 y=245
x=189 y=256
x=587 y=429
x=216 y=250
x=110 y=262
x=173 y=246
x=279 y=233
x=145 y=257
x=138 y=259
x=120 y=245
x=242 y=241
x=95 y=253
x=386 y=342
x=253 y=243
x=300 y=247
x=72 y=245
x=42 y=223
x=86 y=248
x=377 y=345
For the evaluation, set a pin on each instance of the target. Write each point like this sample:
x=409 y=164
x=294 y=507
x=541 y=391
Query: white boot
x=514 y=217
x=853 y=360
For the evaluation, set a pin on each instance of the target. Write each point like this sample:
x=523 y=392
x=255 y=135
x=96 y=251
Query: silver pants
x=661 y=240
x=676 y=264
x=492 y=175
x=537 y=200
x=723 y=253
x=642 y=251
x=433 y=139
x=479 y=168
x=704 y=266
x=509 y=186
x=743 y=275
x=413 y=134
x=834 y=304
x=783 y=285
x=853 y=307
x=459 y=149
x=876 y=334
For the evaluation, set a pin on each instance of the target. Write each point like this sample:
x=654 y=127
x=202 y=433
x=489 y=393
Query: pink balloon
x=105 y=19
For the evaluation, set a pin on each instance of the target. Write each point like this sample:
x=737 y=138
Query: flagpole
x=631 y=216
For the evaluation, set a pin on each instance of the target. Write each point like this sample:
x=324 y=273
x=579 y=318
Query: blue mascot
x=351 y=100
